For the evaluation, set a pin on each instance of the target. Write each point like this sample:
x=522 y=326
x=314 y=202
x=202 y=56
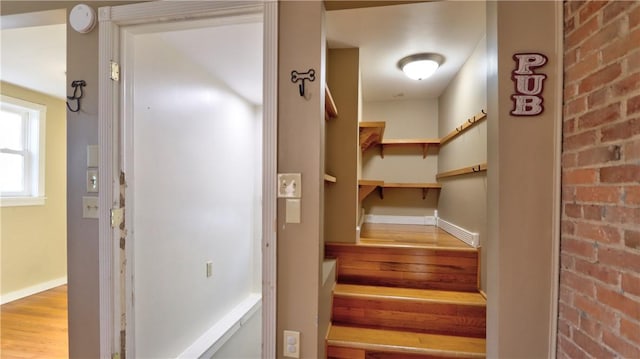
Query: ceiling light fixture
x=420 y=66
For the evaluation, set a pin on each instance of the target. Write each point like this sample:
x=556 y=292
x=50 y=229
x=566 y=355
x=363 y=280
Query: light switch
x=292 y=211
x=289 y=185
x=89 y=207
x=92 y=180
x=92 y=156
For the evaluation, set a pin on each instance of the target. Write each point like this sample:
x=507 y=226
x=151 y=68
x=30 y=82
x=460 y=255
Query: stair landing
x=408 y=235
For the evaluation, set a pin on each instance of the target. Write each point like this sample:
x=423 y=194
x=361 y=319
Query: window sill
x=22 y=201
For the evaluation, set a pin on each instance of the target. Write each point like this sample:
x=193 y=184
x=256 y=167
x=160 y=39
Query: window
x=22 y=134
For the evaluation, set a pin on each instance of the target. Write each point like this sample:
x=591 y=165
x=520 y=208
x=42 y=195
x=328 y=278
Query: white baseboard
x=216 y=336
x=25 y=292
x=420 y=220
x=470 y=238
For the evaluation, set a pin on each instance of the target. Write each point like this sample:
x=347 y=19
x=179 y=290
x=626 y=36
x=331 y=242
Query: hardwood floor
x=35 y=326
x=407 y=234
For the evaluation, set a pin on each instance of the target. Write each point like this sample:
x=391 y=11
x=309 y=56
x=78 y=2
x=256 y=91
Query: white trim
x=420 y=220
x=216 y=336
x=470 y=238
x=22 y=201
x=111 y=19
x=25 y=292
x=557 y=183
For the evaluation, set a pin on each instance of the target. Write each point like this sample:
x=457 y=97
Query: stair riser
x=406 y=267
x=354 y=353
x=426 y=317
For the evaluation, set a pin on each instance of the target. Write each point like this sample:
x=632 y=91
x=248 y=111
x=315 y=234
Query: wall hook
x=302 y=76
x=77 y=87
x=483 y=112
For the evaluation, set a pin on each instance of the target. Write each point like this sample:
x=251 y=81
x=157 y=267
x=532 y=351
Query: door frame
x=113 y=292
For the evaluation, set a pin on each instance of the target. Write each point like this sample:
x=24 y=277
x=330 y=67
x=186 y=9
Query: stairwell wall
x=463 y=199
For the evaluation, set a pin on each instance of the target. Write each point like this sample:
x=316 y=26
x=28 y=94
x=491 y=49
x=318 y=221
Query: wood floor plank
x=35 y=327
x=399 y=234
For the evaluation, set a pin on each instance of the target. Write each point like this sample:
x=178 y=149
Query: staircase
x=402 y=296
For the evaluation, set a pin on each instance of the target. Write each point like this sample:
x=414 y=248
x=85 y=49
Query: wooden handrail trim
x=329 y=104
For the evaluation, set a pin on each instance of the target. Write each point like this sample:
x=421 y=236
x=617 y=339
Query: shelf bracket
x=381 y=192
x=381 y=151
x=424 y=193
x=425 y=148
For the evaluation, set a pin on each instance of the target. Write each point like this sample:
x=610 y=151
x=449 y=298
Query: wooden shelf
x=330 y=110
x=371 y=133
x=425 y=143
x=365 y=187
x=462 y=128
x=329 y=178
x=461 y=171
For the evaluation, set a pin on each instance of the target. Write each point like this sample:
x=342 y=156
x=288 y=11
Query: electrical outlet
x=289 y=185
x=291 y=345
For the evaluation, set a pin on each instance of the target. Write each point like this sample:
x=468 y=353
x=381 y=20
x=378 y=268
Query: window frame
x=34 y=124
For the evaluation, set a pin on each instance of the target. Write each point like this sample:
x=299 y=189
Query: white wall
x=196 y=187
x=404 y=119
x=463 y=199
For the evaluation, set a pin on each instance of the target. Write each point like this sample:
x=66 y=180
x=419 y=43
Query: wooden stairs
x=406 y=299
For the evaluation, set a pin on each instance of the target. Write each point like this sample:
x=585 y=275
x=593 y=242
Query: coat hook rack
x=302 y=77
x=77 y=94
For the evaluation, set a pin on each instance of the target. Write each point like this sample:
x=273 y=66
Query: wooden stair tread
x=406 y=342
x=382 y=244
x=409 y=294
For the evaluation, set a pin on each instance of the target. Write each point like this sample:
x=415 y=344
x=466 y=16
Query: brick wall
x=600 y=247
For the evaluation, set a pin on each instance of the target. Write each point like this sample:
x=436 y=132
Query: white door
x=190 y=143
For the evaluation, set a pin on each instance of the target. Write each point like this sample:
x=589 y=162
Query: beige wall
x=34 y=238
x=523 y=160
x=463 y=199
x=404 y=119
x=341 y=150
x=301 y=150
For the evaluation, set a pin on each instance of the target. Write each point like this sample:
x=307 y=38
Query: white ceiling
x=383 y=34
x=387 y=34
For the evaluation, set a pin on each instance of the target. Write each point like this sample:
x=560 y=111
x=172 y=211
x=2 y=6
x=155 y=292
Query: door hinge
x=115 y=71
x=117 y=216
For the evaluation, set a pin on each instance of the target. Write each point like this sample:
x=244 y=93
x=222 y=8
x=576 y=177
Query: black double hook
x=77 y=87
x=302 y=77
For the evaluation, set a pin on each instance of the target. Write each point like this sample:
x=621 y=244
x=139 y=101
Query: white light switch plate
x=92 y=180
x=89 y=207
x=289 y=185
x=292 y=211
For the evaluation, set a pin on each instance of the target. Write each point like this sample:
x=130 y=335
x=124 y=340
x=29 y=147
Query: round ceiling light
x=420 y=66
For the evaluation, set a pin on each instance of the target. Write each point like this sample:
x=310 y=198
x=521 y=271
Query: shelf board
x=371 y=133
x=462 y=171
x=470 y=122
x=329 y=178
x=424 y=142
x=365 y=187
x=330 y=110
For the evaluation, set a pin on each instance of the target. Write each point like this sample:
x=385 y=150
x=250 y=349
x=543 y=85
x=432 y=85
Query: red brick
x=632 y=238
x=633 y=62
x=631 y=150
x=603 y=76
x=580 y=176
x=563 y=328
x=598 y=98
x=598 y=194
x=620 y=47
x=598 y=233
x=566 y=296
x=567 y=227
x=591 y=8
x=593 y=212
x=600 y=116
x=579 y=283
x=573 y=210
x=634 y=18
x=631 y=284
x=622 y=215
x=568 y=193
x=574 y=6
x=572 y=351
x=581 y=32
x=630 y=330
x=621 y=346
x=620 y=174
x=621 y=131
x=567 y=261
x=568 y=125
x=570 y=57
x=625 y=259
x=603 y=37
x=578 y=247
x=570 y=90
x=569 y=314
x=598 y=155
x=633 y=105
x=592 y=347
x=576 y=106
x=615 y=9
x=590 y=327
x=580 y=140
x=618 y=301
x=597 y=271
x=582 y=68
x=596 y=310
x=626 y=85
x=631 y=195
x=569 y=160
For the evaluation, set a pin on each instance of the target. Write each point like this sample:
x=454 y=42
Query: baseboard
x=216 y=336
x=470 y=238
x=25 y=292
x=420 y=220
